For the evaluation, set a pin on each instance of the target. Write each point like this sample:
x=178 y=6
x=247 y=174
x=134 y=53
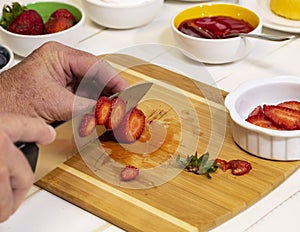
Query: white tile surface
x=289 y=210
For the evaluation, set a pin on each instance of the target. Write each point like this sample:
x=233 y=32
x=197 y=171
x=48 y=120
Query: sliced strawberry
x=131 y=127
x=87 y=125
x=262 y=121
x=295 y=105
x=283 y=117
x=223 y=164
x=257 y=111
x=63 y=13
x=118 y=108
x=129 y=173
x=102 y=110
x=240 y=167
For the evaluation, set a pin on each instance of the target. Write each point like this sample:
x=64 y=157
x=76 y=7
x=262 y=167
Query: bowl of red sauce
x=203 y=32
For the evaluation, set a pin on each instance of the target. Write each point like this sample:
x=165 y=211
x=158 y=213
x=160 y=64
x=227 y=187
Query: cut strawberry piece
x=223 y=164
x=283 y=117
x=240 y=167
x=129 y=173
x=131 y=127
x=256 y=111
x=295 y=105
x=102 y=110
x=87 y=125
x=118 y=109
x=262 y=121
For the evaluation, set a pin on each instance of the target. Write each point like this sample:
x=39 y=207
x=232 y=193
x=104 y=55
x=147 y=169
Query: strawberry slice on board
x=87 y=125
x=102 y=110
x=129 y=173
x=240 y=167
x=262 y=121
x=118 y=109
x=284 y=117
x=295 y=105
x=131 y=127
x=223 y=164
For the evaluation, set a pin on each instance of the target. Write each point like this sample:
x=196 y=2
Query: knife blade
x=131 y=97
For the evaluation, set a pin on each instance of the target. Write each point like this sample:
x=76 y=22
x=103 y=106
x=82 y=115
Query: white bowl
x=23 y=45
x=263 y=142
x=118 y=14
x=215 y=51
x=10 y=60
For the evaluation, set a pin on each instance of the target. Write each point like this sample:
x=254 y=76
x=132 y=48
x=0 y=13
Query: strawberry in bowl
x=26 y=27
x=265 y=117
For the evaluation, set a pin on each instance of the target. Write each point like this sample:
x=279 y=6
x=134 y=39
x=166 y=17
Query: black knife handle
x=31 y=152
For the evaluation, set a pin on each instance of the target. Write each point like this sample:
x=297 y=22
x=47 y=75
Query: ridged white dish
x=263 y=142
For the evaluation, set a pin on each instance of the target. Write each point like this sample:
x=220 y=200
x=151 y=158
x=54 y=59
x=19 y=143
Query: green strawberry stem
x=198 y=165
x=10 y=13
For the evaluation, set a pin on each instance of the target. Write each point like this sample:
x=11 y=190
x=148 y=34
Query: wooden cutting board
x=187 y=202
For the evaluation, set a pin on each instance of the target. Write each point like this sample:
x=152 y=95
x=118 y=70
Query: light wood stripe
x=128 y=198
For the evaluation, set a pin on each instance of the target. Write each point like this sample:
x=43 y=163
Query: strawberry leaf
x=10 y=13
x=200 y=166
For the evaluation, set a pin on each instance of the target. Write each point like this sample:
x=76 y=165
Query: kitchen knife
x=31 y=151
x=131 y=96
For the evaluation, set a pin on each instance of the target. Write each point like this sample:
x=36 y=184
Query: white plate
x=274 y=21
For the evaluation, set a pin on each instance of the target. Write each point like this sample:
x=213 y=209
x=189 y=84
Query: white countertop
x=278 y=211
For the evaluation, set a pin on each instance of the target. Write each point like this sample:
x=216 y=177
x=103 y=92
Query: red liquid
x=214 y=27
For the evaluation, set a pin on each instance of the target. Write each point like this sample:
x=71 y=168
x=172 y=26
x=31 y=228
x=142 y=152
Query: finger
x=117 y=84
x=105 y=76
x=97 y=71
x=26 y=129
x=16 y=177
x=22 y=177
x=6 y=196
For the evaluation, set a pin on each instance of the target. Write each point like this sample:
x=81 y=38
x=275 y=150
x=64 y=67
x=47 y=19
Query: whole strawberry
x=60 y=20
x=63 y=13
x=57 y=24
x=29 y=22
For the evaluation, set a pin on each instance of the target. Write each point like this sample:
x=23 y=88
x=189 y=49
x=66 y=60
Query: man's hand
x=16 y=176
x=56 y=80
